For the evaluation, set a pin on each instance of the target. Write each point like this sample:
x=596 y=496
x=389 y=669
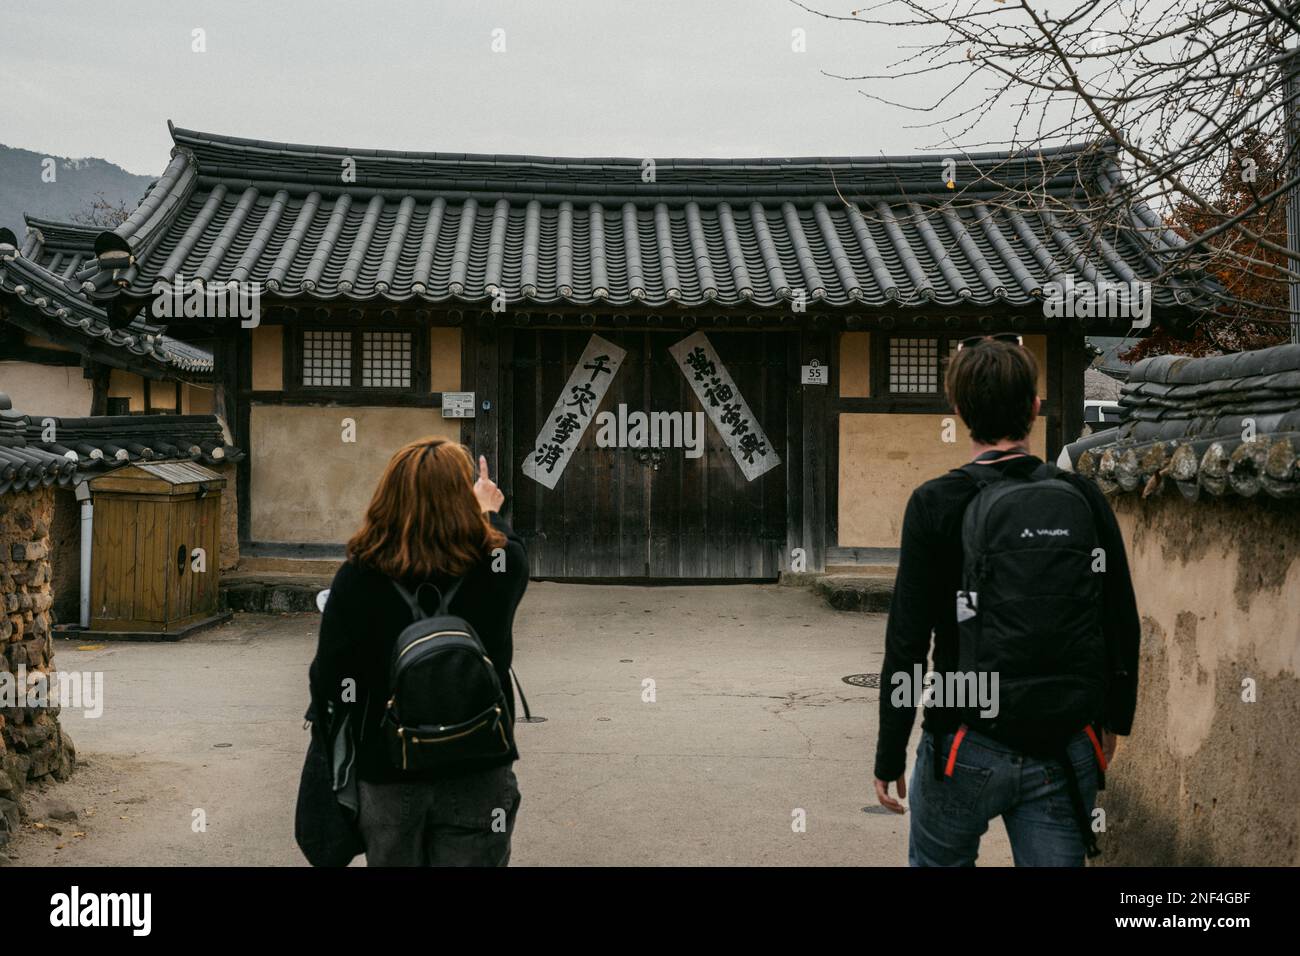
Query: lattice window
x=386 y=359
x=327 y=358
x=914 y=365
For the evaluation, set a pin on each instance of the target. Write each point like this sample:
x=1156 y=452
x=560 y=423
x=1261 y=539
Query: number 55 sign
x=815 y=374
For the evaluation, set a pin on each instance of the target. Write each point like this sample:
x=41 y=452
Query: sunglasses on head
x=996 y=337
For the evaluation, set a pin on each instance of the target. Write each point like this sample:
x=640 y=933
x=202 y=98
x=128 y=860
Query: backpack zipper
x=429 y=637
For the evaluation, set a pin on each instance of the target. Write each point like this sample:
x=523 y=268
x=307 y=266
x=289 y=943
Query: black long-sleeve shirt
x=362 y=619
x=924 y=604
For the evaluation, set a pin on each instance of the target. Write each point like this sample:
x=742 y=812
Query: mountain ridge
x=78 y=182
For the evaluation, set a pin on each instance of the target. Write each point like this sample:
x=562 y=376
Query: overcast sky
x=579 y=77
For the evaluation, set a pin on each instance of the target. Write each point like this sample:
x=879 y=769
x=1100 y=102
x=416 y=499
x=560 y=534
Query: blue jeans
x=990 y=780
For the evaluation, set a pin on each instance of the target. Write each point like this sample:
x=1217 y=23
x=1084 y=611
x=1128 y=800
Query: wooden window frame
x=417 y=393
x=935 y=401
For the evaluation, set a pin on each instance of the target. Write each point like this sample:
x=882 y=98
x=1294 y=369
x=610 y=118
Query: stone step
x=868 y=570
x=271 y=593
x=856 y=591
x=289 y=565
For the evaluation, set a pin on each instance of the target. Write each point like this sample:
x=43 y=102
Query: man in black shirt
x=967 y=772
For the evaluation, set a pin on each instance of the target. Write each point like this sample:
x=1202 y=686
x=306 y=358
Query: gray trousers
x=466 y=821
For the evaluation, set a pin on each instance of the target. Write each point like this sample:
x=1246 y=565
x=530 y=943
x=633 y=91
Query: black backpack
x=1030 y=605
x=446 y=706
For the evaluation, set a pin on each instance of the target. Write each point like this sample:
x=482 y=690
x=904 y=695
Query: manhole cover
x=877 y=808
x=863 y=680
x=530 y=720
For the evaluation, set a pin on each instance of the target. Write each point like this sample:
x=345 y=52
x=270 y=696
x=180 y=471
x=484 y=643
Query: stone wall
x=32 y=745
x=1209 y=776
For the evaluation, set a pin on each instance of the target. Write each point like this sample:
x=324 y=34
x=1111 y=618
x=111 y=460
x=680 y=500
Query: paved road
x=750 y=723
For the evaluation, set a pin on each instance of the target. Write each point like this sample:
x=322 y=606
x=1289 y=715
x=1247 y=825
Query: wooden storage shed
x=147 y=575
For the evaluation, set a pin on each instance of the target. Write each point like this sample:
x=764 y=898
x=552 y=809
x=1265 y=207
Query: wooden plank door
x=204 y=588
x=706 y=519
x=175 y=568
x=593 y=522
x=624 y=512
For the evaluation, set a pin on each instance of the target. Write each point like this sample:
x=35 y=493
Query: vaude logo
x=1098 y=300
x=220 y=300
x=74 y=908
x=1045 y=532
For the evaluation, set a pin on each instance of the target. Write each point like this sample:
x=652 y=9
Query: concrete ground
x=750 y=722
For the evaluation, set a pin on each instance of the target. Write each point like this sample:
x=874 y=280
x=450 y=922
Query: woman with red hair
x=429 y=523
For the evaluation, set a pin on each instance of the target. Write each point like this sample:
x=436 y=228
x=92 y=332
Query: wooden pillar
x=1075 y=358
x=231 y=372
x=809 y=518
x=481 y=374
x=99 y=375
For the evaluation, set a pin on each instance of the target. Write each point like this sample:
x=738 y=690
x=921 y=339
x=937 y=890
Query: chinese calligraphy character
x=731 y=416
x=548 y=455
x=718 y=392
x=598 y=364
x=582 y=397
x=750 y=445
x=699 y=361
x=565 y=425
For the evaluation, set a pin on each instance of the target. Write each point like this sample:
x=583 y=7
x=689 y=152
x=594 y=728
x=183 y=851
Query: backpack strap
x=1081 y=819
x=528 y=714
x=982 y=475
x=413 y=600
x=979 y=470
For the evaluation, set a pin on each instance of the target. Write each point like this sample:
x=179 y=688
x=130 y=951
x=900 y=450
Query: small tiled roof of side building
x=1227 y=424
x=37 y=298
x=89 y=446
x=863 y=233
x=60 y=247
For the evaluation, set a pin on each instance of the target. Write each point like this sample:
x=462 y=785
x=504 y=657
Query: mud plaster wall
x=127 y=385
x=883 y=457
x=310 y=486
x=1205 y=778
x=58 y=390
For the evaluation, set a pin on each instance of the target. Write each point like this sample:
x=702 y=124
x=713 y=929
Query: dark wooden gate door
x=628 y=512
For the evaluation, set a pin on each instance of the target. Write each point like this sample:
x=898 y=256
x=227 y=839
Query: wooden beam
x=1075 y=359
x=99 y=377
x=817 y=448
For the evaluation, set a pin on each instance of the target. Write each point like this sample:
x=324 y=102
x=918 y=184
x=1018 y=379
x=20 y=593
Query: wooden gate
x=620 y=511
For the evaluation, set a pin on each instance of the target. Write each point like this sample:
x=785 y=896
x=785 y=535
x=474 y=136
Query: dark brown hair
x=424 y=517
x=993 y=385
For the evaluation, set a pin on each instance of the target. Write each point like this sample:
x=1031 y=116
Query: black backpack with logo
x=446 y=706
x=1030 y=605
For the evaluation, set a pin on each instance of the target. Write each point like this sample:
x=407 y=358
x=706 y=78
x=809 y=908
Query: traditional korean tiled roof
x=60 y=247
x=33 y=289
x=24 y=467
x=89 y=446
x=1225 y=424
x=353 y=224
x=1099 y=386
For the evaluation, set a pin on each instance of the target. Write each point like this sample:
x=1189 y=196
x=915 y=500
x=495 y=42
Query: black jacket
x=364 y=615
x=924 y=603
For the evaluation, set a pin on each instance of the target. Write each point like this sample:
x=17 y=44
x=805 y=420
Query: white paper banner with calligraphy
x=727 y=409
x=573 y=411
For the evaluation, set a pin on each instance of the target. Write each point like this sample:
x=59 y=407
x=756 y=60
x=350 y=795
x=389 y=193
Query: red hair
x=424 y=517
